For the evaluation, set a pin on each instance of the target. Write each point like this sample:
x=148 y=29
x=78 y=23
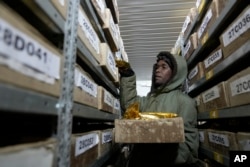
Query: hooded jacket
x=168 y=98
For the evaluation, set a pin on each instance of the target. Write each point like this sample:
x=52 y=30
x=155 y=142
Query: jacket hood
x=179 y=75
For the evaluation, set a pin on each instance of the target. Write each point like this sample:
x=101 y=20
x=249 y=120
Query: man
x=169 y=73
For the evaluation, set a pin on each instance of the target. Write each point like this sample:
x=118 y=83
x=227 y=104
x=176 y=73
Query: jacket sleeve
x=128 y=92
x=188 y=151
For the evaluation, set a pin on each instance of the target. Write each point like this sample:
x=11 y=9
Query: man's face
x=163 y=73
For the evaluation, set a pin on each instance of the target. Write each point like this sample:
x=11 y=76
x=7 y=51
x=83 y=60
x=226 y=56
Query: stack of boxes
x=39 y=66
x=229 y=93
x=28 y=60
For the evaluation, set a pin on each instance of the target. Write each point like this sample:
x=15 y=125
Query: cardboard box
x=196 y=73
x=84 y=148
x=212 y=14
x=106 y=142
x=222 y=141
x=29 y=61
x=216 y=97
x=39 y=154
x=213 y=59
x=85 y=90
x=113 y=6
x=100 y=7
x=105 y=100
x=236 y=34
x=199 y=103
x=88 y=35
x=61 y=6
x=169 y=130
x=110 y=31
x=189 y=21
x=238 y=87
x=108 y=63
x=191 y=45
x=243 y=141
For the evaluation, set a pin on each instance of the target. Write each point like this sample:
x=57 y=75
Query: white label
x=185 y=25
x=106 y=137
x=211 y=94
x=205 y=22
x=241 y=85
x=25 y=70
x=198 y=2
x=19 y=46
x=101 y=5
x=111 y=62
x=118 y=55
x=121 y=44
x=213 y=58
x=193 y=73
x=187 y=47
x=241 y=25
x=86 y=142
x=218 y=139
x=89 y=31
x=201 y=136
x=61 y=2
x=85 y=83
x=113 y=27
x=118 y=29
x=108 y=98
x=245 y=144
x=117 y=104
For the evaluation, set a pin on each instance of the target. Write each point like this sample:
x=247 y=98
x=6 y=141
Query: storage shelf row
x=89 y=9
x=222 y=159
x=231 y=10
x=24 y=101
x=232 y=112
x=222 y=69
x=43 y=15
x=235 y=116
x=51 y=16
x=200 y=13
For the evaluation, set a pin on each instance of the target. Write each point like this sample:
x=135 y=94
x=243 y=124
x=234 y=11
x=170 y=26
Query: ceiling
x=148 y=27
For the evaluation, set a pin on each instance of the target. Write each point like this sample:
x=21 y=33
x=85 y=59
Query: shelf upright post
x=65 y=103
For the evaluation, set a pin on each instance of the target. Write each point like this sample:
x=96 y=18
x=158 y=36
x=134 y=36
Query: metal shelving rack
x=228 y=13
x=222 y=159
x=232 y=112
x=85 y=55
x=221 y=69
x=198 y=18
x=220 y=72
x=27 y=101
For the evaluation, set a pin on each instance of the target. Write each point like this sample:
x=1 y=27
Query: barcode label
x=204 y=23
x=85 y=143
x=106 y=137
x=238 y=28
x=241 y=85
x=16 y=45
x=85 y=83
x=89 y=31
x=108 y=98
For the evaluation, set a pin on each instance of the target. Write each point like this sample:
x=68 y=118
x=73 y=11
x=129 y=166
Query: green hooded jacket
x=168 y=98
